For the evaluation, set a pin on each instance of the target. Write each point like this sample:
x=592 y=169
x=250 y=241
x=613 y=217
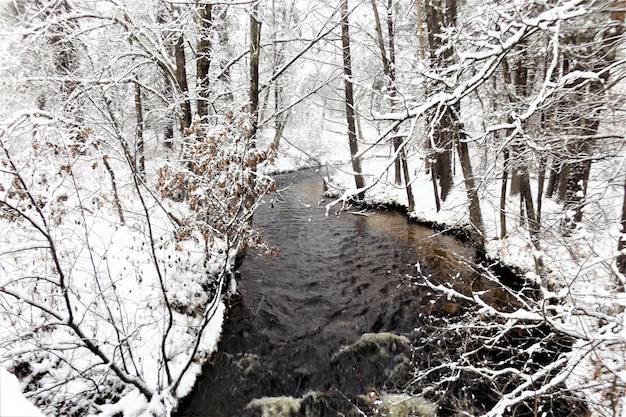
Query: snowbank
x=12 y=401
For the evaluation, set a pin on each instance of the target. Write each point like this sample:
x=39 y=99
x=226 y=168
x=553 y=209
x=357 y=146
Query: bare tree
x=132 y=254
x=181 y=80
x=621 y=244
x=255 y=52
x=439 y=16
x=445 y=128
x=347 y=72
x=204 y=53
x=389 y=65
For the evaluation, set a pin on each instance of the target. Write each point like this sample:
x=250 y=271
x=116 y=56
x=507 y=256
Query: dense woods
x=135 y=139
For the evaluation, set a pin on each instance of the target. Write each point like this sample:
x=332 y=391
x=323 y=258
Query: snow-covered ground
x=577 y=267
x=12 y=401
x=99 y=314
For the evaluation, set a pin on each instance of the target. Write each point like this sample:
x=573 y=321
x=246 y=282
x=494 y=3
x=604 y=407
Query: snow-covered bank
x=12 y=401
x=112 y=290
x=121 y=306
x=575 y=271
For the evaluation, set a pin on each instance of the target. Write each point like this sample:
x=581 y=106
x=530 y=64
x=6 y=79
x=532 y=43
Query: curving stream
x=334 y=278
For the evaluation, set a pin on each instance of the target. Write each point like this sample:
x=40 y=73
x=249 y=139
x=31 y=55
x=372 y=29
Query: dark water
x=333 y=279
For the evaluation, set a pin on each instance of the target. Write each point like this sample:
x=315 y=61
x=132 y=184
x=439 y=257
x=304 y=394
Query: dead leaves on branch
x=218 y=181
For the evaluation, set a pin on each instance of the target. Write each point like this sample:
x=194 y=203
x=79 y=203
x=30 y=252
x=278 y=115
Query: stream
x=333 y=279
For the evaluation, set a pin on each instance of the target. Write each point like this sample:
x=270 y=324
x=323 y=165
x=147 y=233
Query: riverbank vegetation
x=540 y=188
x=134 y=137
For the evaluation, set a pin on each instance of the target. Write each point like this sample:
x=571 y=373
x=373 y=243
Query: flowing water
x=334 y=278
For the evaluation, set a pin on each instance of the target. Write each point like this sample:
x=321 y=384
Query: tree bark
x=475 y=213
x=407 y=179
x=562 y=182
x=391 y=74
x=255 y=52
x=503 y=194
x=514 y=189
x=526 y=195
x=433 y=178
x=381 y=41
x=116 y=196
x=389 y=71
x=203 y=60
x=552 y=181
x=443 y=140
x=541 y=179
x=621 y=244
x=167 y=91
x=439 y=15
x=168 y=129
x=281 y=117
x=349 y=94
x=181 y=79
x=420 y=31
x=220 y=23
x=140 y=157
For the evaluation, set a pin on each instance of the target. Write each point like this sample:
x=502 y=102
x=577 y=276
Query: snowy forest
x=138 y=138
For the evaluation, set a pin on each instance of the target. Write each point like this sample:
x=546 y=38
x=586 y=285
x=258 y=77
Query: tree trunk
x=203 y=60
x=433 y=177
x=541 y=179
x=255 y=52
x=552 y=181
x=281 y=117
x=140 y=157
x=220 y=12
x=407 y=180
x=475 y=212
x=381 y=41
x=562 y=182
x=116 y=196
x=521 y=87
x=503 y=194
x=181 y=79
x=168 y=93
x=526 y=195
x=508 y=77
x=575 y=183
x=442 y=138
x=347 y=72
x=439 y=15
x=420 y=32
x=391 y=74
x=168 y=129
x=388 y=70
x=514 y=189
x=621 y=243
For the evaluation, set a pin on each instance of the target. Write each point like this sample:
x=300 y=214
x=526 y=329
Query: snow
x=575 y=276
x=92 y=243
x=576 y=267
x=149 y=300
x=12 y=401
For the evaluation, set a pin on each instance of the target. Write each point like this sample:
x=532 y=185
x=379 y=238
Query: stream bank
x=337 y=322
